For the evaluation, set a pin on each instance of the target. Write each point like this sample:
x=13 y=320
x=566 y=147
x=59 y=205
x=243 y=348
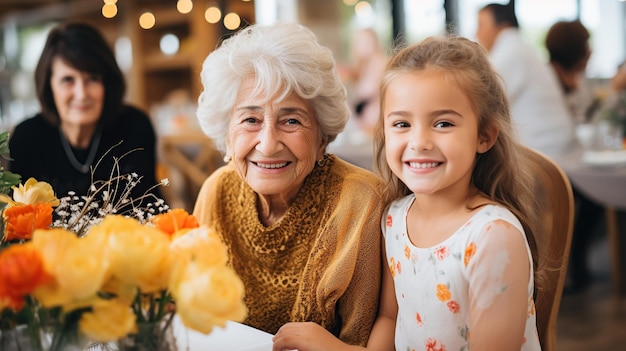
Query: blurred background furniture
x=607 y=186
x=189 y=159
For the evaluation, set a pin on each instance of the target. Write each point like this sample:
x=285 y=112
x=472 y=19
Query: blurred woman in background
x=84 y=126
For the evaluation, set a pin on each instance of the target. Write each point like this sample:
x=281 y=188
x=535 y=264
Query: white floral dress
x=440 y=287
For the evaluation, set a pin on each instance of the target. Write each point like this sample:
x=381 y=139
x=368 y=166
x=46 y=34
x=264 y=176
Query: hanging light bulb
x=147 y=20
x=213 y=14
x=184 y=6
x=363 y=9
x=109 y=10
x=232 y=21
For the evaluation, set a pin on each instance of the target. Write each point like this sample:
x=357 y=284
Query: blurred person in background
x=537 y=108
x=302 y=226
x=618 y=82
x=568 y=47
x=74 y=139
x=363 y=78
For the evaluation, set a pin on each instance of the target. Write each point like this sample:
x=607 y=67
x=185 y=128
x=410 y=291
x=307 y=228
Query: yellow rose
x=139 y=255
x=109 y=320
x=208 y=297
x=79 y=268
x=32 y=192
x=200 y=245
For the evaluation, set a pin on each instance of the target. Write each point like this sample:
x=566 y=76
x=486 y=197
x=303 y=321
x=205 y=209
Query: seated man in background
x=537 y=107
x=569 y=51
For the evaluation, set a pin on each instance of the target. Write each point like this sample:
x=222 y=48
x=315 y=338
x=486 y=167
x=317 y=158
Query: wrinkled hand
x=305 y=336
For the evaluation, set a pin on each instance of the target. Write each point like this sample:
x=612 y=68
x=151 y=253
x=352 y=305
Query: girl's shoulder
x=492 y=213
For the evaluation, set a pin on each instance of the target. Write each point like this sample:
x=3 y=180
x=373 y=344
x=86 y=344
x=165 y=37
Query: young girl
x=458 y=235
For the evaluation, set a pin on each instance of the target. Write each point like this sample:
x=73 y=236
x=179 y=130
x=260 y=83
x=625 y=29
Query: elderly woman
x=302 y=227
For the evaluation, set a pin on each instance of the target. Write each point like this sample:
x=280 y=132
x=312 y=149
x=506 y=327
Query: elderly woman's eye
x=292 y=121
x=250 y=120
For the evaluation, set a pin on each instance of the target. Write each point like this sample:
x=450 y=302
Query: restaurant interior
x=161 y=44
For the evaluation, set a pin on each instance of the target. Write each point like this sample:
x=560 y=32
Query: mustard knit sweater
x=321 y=262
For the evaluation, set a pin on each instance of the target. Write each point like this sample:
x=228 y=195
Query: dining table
x=601 y=176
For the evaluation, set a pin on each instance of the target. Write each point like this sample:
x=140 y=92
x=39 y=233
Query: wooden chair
x=554 y=238
x=193 y=157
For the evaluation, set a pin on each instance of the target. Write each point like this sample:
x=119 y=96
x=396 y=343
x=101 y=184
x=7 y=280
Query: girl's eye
x=401 y=125
x=443 y=124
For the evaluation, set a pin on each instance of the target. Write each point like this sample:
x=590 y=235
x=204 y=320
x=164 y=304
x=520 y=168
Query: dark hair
x=84 y=48
x=503 y=14
x=568 y=44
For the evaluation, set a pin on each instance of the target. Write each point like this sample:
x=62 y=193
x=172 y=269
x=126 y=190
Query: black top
x=37 y=151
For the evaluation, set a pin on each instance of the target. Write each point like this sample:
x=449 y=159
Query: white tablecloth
x=604 y=184
x=235 y=337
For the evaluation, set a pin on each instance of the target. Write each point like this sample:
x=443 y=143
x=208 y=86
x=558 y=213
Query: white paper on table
x=234 y=337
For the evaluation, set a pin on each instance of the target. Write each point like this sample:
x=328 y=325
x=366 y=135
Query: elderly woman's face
x=273 y=144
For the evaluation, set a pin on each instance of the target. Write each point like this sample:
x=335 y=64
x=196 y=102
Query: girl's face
x=273 y=144
x=431 y=133
x=78 y=96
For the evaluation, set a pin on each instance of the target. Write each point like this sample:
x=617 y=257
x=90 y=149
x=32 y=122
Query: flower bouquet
x=105 y=277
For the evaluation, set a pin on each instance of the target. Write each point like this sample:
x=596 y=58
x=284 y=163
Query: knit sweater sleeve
x=349 y=258
x=358 y=307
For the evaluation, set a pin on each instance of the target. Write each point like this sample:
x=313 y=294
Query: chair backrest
x=554 y=237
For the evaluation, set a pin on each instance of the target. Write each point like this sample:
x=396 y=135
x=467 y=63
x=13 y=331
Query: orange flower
x=21 y=271
x=443 y=294
x=21 y=221
x=174 y=221
x=407 y=251
x=470 y=250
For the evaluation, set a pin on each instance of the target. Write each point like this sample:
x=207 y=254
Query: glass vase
x=23 y=338
x=150 y=336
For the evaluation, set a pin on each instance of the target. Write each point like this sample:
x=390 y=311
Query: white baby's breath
x=112 y=196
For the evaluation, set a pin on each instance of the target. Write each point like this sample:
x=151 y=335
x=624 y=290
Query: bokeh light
x=232 y=21
x=147 y=20
x=213 y=14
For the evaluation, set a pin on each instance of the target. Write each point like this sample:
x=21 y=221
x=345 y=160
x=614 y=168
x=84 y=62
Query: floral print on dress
x=434 y=345
x=443 y=294
x=470 y=250
x=442 y=252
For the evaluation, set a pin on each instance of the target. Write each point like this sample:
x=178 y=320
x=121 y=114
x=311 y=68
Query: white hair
x=282 y=58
